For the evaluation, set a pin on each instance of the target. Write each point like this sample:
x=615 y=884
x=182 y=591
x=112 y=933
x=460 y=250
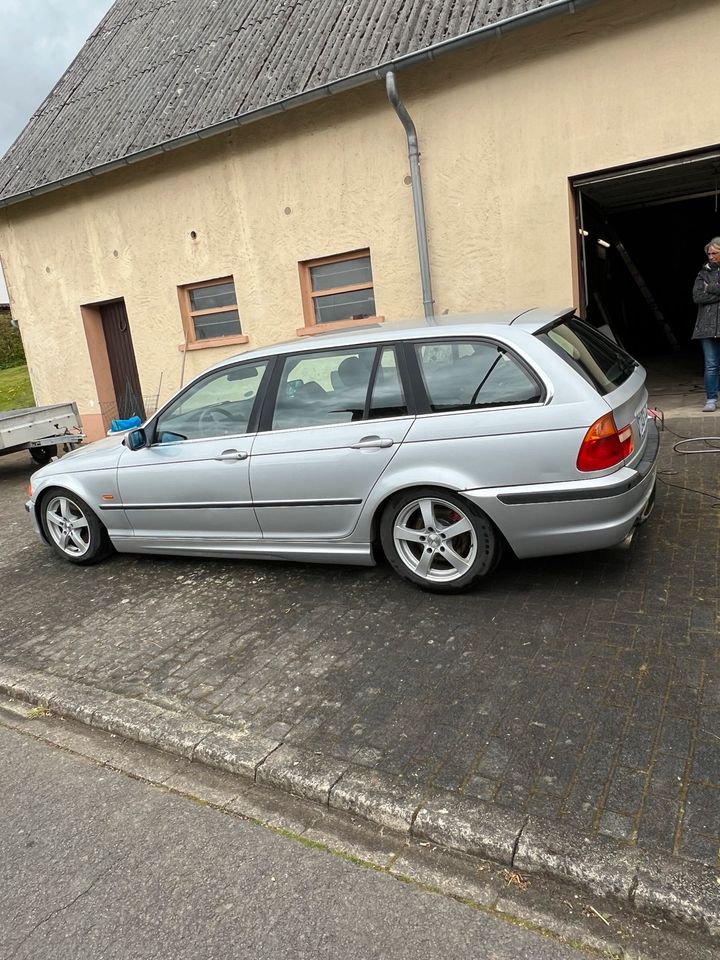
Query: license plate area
x=641 y=418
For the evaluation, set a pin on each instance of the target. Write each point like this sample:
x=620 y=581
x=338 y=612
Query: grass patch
x=37 y=712
x=15 y=389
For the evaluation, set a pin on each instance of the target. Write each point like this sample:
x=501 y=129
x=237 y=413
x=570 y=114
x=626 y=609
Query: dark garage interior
x=641 y=236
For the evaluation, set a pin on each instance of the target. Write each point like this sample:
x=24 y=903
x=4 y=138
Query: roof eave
x=487 y=32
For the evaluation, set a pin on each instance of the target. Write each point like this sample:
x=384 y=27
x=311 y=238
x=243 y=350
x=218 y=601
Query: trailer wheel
x=43 y=455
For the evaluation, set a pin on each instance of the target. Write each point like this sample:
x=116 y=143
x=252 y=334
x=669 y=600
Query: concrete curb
x=651 y=883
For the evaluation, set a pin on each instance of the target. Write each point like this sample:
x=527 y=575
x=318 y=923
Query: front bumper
x=540 y=520
x=30 y=507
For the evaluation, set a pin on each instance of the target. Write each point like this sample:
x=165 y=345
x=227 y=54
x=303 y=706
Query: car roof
x=530 y=320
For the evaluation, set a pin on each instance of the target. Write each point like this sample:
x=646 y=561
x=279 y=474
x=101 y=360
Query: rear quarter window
x=597 y=359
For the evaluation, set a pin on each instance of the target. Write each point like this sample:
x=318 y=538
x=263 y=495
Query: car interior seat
x=352 y=373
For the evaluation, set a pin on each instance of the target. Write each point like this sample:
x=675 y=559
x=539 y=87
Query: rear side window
x=333 y=387
x=323 y=388
x=600 y=361
x=470 y=374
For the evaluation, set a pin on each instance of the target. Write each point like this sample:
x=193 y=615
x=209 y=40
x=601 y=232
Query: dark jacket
x=706 y=293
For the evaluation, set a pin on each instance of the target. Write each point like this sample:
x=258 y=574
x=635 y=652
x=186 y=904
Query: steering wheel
x=214 y=415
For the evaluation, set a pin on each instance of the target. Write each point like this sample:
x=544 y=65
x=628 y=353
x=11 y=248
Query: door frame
x=577 y=184
x=97 y=423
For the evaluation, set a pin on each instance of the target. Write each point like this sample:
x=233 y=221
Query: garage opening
x=641 y=233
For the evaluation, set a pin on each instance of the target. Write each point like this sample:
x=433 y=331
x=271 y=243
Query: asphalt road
x=98 y=865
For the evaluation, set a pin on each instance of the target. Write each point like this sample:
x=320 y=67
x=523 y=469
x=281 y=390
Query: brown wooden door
x=121 y=356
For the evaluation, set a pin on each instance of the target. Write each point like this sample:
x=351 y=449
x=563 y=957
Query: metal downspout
x=418 y=204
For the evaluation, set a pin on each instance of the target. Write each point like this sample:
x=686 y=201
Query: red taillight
x=604 y=445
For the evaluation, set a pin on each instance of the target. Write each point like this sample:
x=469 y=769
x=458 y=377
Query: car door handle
x=372 y=442
x=233 y=455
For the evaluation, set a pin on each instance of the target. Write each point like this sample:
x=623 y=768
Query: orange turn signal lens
x=604 y=445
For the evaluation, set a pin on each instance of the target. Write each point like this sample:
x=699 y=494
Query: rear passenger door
x=480 y=397
x=337 y=420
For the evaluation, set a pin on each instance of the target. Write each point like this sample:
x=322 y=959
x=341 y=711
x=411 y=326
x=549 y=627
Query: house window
x=337 y=292
x=210 y=313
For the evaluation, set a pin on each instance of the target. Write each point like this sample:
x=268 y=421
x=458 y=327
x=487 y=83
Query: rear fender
x=452 y=480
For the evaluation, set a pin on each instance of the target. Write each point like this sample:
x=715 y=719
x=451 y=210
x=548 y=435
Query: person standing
x=706 y=293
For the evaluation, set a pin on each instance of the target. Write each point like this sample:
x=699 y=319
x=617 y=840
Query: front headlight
x=30 y=490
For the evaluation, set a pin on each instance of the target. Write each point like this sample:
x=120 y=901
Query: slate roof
x=154 y=71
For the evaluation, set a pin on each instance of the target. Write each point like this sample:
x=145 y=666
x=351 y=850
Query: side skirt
x=358 y=554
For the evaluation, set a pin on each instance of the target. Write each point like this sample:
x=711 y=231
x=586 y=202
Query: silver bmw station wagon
x=438 y=445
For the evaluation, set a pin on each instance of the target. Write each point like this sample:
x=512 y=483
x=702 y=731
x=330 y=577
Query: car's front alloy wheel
x=438 y=540
x=72 y=528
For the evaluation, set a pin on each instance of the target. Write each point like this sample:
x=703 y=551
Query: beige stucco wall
x=502 y=127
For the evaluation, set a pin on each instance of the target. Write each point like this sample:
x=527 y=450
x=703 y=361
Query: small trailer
x=40 y=430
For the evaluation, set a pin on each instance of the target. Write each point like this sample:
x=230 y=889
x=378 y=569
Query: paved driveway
x=585 y=688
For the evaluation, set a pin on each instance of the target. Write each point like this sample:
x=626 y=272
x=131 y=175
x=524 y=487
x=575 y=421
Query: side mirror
x=136 y=440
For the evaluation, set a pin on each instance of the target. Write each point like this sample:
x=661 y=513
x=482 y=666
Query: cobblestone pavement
x=585 y=688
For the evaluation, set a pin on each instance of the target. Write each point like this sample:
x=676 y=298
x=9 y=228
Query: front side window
x=210 y=310
x=338 y=289
x=466 y=375
x=219 y=405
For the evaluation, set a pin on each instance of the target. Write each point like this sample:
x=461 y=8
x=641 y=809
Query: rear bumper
x=544 y=519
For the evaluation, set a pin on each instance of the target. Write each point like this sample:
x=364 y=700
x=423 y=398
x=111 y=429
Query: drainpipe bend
x=417 y=191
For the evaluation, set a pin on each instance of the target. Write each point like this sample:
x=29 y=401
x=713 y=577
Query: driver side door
x=189 y=488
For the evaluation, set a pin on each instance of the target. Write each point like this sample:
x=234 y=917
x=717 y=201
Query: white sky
x=38 y=40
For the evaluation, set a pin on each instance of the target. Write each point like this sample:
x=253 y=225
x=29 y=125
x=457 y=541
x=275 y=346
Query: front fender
x=94 y=487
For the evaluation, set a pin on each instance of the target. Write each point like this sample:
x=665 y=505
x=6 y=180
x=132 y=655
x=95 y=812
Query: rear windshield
x=596 y=358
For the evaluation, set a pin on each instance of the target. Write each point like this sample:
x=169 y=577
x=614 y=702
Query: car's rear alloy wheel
x=438 y=540
x=72 y=528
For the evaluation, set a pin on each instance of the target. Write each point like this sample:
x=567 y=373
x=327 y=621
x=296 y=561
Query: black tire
x=72 y=529
x=43 y=455
x=414 y=533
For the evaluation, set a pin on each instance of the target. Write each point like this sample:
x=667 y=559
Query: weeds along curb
x=652 y=884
